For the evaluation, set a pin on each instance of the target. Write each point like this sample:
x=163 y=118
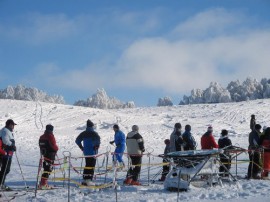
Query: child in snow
x=166 y=166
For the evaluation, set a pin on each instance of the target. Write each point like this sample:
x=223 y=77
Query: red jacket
x=2 y=152
x=48 y=146
x=208 y=141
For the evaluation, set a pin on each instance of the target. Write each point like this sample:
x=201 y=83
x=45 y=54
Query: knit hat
x=224 y=132
x=89 y=123
x=177 y=126
x=252 y=116
x=167 y=141
x=258 y=127
x=49 y=128
x=188 y=128
x=210 y=129
x=135 y=128
x=116 y=127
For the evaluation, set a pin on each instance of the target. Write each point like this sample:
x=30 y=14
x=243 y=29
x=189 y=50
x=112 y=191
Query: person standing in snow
x=208 y=140
x=48 y=149
x=252 y=122
x=166 y=167
x=224 y=143
x=135 y=148
x=265 y=143
x=91 y=143
x=189 y=141
x=6 y=134
x=120 y=142
x=254 y=154
x=176 y=140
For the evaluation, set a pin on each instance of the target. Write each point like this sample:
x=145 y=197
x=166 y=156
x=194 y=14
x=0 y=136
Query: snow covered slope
x=155 y=123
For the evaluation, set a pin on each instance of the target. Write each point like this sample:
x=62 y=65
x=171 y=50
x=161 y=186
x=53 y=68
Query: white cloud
x=177 y=65
x=235 y=51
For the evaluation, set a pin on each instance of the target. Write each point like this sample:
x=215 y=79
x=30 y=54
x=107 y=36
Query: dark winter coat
x=176 y=141
x=167 y=149
x=190 y=143
x=224 y=142
x=91 y=141
x=47 y=145
x=253 y=139
x=208 y=141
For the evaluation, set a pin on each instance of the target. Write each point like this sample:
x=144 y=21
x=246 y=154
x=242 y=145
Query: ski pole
x=68 y=156
x=39 y=168
x=21 y=171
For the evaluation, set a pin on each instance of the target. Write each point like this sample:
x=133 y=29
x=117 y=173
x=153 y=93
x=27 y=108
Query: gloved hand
x=9 y=153
x=111 y=142
x=81 y=148
x=14 y=148
x=96 y=147
x=143 y=150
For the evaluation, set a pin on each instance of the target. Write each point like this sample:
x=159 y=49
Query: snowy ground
x=156 y=124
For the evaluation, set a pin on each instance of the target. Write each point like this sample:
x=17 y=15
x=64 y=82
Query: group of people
x=259 y=150
x=89 y=142
x=185 y=141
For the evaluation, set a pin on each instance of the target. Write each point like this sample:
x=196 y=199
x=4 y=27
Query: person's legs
x=86 y=171
x=251 y=165
x=137 y=169
x=92 y=164
x=256 y=165
x=47 y=169
x=5 y=169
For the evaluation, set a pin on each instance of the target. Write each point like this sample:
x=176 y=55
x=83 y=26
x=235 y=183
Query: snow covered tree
x=266 y=87
x=250 y=89
x=21 y=92
x=196 y=97
x=216 y=94
x=102 y=101
x=213 y=94
x=166 y=101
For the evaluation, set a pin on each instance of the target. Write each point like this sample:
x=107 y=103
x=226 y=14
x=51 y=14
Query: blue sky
x=136 y=50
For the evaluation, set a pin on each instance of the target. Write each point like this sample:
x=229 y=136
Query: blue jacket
x=91 y=141
x=119 y=138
